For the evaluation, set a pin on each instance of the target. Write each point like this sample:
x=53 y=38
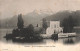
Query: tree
x=68 y=24
x=37 y=25
x=44 y=24
x=20 y=23
x=30 y=30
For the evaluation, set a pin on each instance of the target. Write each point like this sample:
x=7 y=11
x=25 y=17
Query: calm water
x=73 y=40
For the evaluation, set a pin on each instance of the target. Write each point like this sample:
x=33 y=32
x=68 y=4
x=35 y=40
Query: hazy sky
x=9 y=8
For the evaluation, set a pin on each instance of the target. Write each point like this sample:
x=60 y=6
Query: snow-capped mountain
x=49 y=12
x=40 y=13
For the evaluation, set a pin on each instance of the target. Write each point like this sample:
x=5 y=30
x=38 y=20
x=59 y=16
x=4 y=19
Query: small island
x=27 y=34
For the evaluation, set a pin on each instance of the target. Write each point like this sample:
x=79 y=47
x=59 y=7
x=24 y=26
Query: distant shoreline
x=6 y=28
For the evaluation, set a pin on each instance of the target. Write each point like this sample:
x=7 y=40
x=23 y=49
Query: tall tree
x=68 y=24
x=20 y=23
x=44 y=23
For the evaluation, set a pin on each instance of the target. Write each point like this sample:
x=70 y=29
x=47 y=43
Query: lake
x=72 y=40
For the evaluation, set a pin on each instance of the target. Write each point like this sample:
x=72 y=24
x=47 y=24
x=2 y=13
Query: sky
x=8 y=8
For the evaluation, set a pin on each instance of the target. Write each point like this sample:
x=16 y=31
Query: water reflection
x=70 y=40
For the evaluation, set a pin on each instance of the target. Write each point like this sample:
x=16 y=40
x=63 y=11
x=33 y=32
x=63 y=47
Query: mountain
x=60 y=16
x=34 y=18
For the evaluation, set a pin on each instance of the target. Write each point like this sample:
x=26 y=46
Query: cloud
x=9 y=8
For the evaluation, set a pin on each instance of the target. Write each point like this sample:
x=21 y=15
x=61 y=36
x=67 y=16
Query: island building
x=54 y=28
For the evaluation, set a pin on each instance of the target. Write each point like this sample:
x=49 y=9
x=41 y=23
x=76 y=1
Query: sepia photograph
x=39 y=25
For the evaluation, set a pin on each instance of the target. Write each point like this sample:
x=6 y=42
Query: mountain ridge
x=30 y=18
x=36 y=18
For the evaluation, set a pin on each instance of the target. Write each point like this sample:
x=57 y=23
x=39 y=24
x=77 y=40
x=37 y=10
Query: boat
x=64 y=35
